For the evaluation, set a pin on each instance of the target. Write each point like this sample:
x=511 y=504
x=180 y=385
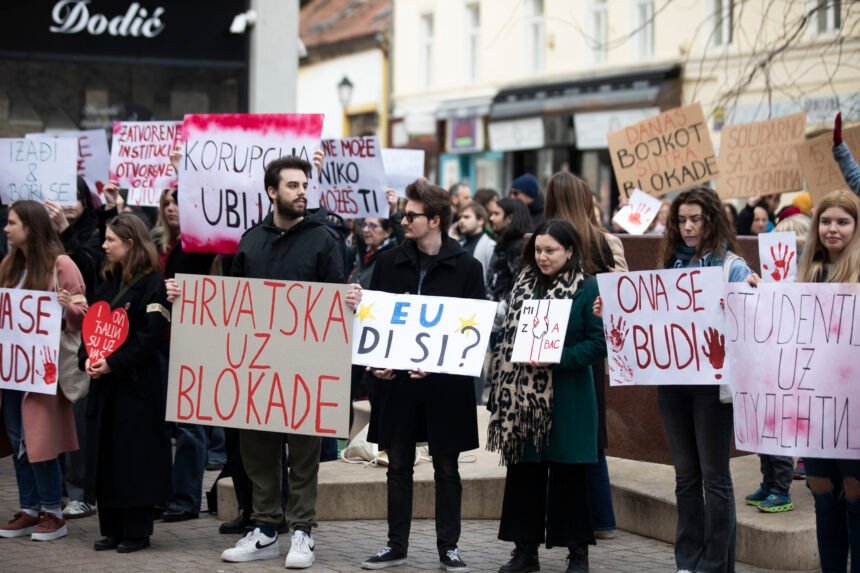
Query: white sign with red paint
x=664 y=327
x=352 y=180
x=794 y=360
x=636 y=216
x=541 y=331
x=140 y=158
x=30 y=324
x=778 y=255
x=104 y=330
x=221 y=187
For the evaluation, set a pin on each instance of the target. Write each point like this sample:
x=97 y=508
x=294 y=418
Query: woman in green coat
x=544 y=416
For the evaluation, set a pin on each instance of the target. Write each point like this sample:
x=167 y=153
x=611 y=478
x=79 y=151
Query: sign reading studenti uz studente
x=352 y=180
x=664 y=153
x=541 y=331
x=430 y=333
x=221 y=187
x=30 y=323
x=794 y=355
x=260 y=354
x=664 y=327
x=38 y=169
x=140 y=158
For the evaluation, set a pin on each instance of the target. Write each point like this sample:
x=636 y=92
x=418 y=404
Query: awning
x=466 y=107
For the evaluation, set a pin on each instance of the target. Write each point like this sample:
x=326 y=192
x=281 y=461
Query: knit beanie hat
x=526 y=184
x=803 y=201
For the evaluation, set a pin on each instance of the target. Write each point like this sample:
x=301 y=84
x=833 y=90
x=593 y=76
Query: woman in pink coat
x=39 y=427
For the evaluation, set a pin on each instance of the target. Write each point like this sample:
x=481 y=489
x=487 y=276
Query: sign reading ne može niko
x=221 y=187
x=260 y=354
x=140 y=158
x=795 y=361
x=30 y=323
x=430 y=333
x=665 y=153
x=664 y=327
x=38 y=169
x=352 y=180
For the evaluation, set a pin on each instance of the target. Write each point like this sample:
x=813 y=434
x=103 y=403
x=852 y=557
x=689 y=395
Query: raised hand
x=111 y=192
x=837 y=130
x=715 y=350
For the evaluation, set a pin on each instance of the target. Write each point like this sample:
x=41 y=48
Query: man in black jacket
x=411 y=407
x=286 y=245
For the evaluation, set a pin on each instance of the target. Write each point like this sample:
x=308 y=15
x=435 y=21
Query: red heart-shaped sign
x=104 y=330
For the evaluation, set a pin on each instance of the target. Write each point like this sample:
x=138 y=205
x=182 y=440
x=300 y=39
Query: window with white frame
x=473 y=40
x=827 y=17
x=724 y=14
x=426 y=43
x=599 y=18
x=644 y=26
x=535 y=35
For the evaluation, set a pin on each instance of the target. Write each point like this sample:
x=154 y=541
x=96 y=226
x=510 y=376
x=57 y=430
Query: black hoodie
x=83 y=244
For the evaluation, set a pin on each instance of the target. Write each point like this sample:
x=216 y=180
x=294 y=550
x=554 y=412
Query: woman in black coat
x=128 y=462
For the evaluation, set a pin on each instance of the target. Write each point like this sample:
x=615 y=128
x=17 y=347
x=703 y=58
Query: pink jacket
x=49 y=424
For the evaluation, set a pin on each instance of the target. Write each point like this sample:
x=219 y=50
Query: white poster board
x=30 y=325
x=352 y=180
x=39 y=169
x=402 y=167
x=778 y=255
x=541 y=331
x=636 y=216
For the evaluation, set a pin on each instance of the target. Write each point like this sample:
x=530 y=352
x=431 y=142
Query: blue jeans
x=837 y=519
x=699 y=431
x=39 y=484
x=216 y=452
x=600 y=494
x=189 y=463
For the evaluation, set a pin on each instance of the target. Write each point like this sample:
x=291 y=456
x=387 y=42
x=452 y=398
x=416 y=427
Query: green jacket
x=573 y=435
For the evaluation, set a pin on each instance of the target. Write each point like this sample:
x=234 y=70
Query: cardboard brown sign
x=760 y=158
x=819 y=168
x=664 y=153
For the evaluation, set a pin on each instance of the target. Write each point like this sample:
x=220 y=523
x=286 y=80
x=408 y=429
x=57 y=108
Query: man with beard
x=287 y=245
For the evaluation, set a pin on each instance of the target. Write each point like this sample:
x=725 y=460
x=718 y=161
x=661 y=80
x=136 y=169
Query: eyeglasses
x=410 y=216
x=371 y=226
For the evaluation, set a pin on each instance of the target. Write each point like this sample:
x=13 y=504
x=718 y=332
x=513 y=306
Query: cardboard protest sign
x=664 y=327
x=433 y=333
x=30 y=324
x=794 y=359
x=140 y=158
x=821 y=171
x=38 y=169
x=221 y=187
x=760 y=157
x=402 y=167
x=778 y=255
x=93 y=156
x=352 y=180
x=541 y=331
x=104 y=330
x=636 y=216
x=665 y=153
x=260 y=354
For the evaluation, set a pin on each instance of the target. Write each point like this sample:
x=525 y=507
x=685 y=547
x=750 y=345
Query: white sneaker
x=255 y=545
x=301 y=555
x=78 y=509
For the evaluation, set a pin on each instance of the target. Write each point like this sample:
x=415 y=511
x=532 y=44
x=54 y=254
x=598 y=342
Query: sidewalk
x=196 y=546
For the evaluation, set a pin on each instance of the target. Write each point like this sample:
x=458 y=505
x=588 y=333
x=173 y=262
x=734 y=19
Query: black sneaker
x=385 y=557
x=452 y=563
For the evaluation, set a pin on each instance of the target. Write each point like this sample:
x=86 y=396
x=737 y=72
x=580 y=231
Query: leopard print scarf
x=520 y=401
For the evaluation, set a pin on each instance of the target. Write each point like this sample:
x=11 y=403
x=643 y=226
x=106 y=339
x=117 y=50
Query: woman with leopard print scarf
x=544 y=416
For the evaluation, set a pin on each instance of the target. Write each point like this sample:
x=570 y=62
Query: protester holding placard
x=411 y=407
x=128 y=467
x=511 y=221
x=832 y=255
x=44 y=422
x=543 y=417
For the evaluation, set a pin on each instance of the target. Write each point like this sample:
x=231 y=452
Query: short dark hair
x=484 y=195
x=436 y=201
x=566 y=236
x=479 y=211
x=274 y=168
x=521 y=221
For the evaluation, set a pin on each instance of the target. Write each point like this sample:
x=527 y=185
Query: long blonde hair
x=815 y=255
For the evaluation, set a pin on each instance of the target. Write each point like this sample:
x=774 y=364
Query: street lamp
x=344 y=93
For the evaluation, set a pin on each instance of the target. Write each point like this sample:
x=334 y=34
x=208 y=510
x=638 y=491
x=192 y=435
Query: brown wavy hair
x=142 y=257
x=43 y=248
x=718 y=236
x=815 y=255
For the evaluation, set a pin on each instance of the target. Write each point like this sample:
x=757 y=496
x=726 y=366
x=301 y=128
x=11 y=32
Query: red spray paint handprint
x=619 y=366
x=617 y=334
x=781 y=262
x=49 y=363
x=716 y=350
x=637 y=212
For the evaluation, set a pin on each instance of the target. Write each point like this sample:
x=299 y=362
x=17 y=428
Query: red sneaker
x=20 y=525
x=50 y=527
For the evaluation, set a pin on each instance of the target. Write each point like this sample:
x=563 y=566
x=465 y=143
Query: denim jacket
x=848 y=165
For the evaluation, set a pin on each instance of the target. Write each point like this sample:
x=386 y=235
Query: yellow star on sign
x=365 y=311
x=466 y=323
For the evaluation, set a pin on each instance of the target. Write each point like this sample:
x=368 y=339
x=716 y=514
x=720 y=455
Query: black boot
x=577 y=560
x=524 y=559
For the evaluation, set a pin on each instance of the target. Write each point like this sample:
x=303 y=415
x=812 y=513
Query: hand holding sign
x=636 y=216
x=104 y=330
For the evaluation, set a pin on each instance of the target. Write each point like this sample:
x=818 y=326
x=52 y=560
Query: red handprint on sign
x=716 y=349
x=637 y=212
x=617 y=334
x=49 y=362
x=781 y=262
x=619 y=366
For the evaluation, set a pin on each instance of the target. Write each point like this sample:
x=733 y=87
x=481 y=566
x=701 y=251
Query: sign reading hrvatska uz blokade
x=30 y=323
x=260 y=354
x=664 y=153
x=221 y=187
x=664 y=327
x=38 y=169
x=794 y=356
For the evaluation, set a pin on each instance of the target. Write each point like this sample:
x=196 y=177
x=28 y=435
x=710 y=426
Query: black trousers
x=126 y=523
x=546 y=501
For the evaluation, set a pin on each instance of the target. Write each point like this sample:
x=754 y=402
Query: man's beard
x=287 y=211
